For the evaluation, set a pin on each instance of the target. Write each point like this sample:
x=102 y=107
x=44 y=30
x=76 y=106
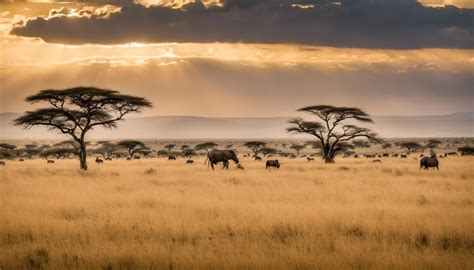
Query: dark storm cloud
x=400 y=24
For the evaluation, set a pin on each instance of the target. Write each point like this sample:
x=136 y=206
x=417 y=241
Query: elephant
x=429 y=162
x=216 y=156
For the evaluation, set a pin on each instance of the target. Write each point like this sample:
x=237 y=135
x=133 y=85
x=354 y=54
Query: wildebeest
x=356 y=156
x=240 y=167
x=216 y=156
x=189 y=161
x=429 y=162
x=98 y=160
x=21 y=159
x=2 y=162
x=395 y=155
x=309 y=159
x=136 y=157
x=385 y=155
x=171 y=158
x=50 y=161
x=129 y=158
x=403 y=156
x=257 y=158
x=272 y=163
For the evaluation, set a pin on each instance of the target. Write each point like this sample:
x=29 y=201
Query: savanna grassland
x=160 y=214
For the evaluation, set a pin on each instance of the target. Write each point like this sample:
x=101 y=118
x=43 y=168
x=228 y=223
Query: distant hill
x=187 y=127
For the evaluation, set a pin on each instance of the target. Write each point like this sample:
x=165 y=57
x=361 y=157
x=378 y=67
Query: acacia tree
x=333 y=135
x=133 y=147
x=432 y=144
x=268 y=151
x=205 y=146
x=170 y=147
x=298 y=148
x=410 y=146
x=255 y=146
x=75 y=111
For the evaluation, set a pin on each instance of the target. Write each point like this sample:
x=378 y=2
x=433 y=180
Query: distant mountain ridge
x=460 y=124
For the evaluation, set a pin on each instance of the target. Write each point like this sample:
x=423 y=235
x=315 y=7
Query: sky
x=245 y=58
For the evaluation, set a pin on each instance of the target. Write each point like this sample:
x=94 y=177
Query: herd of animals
x=217 y=156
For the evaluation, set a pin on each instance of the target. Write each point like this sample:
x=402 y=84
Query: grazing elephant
x=429 y=162
x=216 y=156
x=272 y=163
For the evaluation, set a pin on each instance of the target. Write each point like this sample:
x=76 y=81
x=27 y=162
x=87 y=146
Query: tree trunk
x=83 y=156
x=328 y=155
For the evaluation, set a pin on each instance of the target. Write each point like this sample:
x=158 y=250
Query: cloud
x=401 y=24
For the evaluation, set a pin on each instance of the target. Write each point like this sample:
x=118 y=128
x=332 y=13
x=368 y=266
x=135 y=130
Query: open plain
x=160 y=214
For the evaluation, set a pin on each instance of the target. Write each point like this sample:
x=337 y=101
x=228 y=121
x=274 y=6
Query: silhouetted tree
x=466 y=150
x=7 y=150
x=132 y=146
x=432 y=144
x=255 y=146
x=205 y=146
x=268 y=151
x=386 y=145
x=107 y=149
x=410 y=146
x=30 y=150
x=184 y=146
x=76 y=111
x=188 y=152
x=58 y=152
x=298 y=148
x=170 y=147
x=332 y=134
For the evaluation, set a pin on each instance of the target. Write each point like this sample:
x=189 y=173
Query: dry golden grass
x=159 y=214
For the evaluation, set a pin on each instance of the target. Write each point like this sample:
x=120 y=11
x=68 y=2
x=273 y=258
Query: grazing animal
x=129 y=158
x=309 y=159
x=50 y=161
x=272 y=163
x=246 y=155
x=257 y=158
x=21 y=159
x=171 y=158
x=403 y=156
x=429 y=162
x=216 y=156
x=395 y=155
x=136 y=157
x=385 y=155
x=292 y=156
x=240 y=167
x=376 y=161
x=356 y=156
x=379 y=156
x=2 y=163
x=98 y=160
x=189 y=161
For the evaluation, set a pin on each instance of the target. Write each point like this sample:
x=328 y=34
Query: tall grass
x=159 y=214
